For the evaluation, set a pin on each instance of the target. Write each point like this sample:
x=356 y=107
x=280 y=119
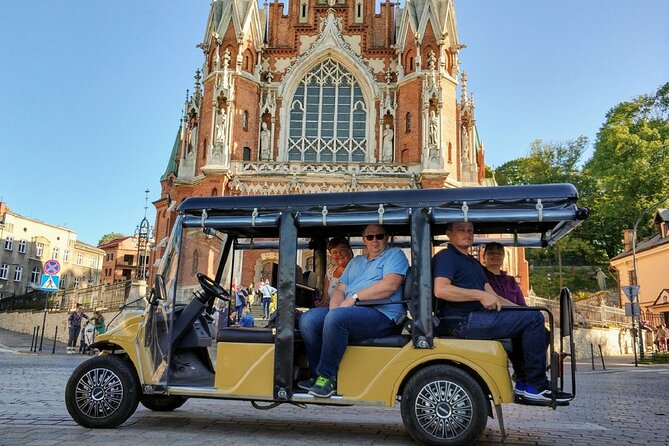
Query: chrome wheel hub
x=443 y=409
x=99 y=393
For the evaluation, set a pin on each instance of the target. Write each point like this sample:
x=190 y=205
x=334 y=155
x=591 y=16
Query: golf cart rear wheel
x=162 y=403
x=443 y=405
x=102 y=392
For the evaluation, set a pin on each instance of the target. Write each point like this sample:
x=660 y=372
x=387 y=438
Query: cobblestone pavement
x=622 y=405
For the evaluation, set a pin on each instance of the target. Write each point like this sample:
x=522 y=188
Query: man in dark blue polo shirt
x=470 y=309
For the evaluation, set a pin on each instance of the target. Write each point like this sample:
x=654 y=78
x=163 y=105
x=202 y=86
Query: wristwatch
x=355 y=297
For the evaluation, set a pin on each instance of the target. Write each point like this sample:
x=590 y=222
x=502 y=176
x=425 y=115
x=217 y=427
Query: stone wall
x=25 y=322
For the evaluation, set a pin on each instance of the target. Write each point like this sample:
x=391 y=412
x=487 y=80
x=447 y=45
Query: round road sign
x=51 y=267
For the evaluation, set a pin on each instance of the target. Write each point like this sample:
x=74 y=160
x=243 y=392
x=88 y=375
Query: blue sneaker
x=543 y=394
x=323 y=388
x=306 y=384
x=519 y=390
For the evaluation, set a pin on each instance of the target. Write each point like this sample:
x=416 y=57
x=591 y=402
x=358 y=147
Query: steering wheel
x=211 y=288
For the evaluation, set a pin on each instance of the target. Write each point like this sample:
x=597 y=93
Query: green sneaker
x=323 y=388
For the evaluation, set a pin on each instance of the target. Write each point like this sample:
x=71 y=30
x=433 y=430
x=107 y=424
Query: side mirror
x=159 y=291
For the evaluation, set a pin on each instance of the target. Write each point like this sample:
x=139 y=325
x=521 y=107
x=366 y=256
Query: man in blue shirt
x=378 y=274
x=470 y=309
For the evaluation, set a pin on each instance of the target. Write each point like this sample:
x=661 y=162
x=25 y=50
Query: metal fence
x=584 y=314
x=100 y=296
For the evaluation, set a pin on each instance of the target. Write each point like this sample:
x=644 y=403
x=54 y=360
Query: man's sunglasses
x=371 y=237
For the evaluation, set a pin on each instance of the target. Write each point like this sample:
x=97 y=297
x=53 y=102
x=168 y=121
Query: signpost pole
x=50 y=280
x=46 y=309
x=632 y=291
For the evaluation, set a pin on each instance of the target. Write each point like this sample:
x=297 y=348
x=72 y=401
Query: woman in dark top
x=503 y=284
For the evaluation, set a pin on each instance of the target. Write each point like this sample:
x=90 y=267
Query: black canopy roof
x=546 y=212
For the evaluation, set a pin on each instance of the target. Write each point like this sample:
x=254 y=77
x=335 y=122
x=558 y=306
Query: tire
x=162 y=403
x=444 y=405
x=102 y=392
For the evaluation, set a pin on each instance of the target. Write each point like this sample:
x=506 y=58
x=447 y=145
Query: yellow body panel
x=366 y=374
x=124 y=334
x=245 y=369
x=375 y=373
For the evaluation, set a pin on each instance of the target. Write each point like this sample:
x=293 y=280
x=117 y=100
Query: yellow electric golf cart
x=446 y=387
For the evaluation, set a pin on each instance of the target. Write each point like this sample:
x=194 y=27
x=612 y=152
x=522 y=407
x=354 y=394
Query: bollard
x=55 y=336
x=601 y=356
x=32 y=340
x=592 y=356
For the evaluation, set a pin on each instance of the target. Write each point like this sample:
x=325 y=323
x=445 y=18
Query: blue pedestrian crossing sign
x=50 y=283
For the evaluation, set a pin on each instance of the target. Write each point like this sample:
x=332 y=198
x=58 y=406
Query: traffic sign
x=50 y=283
x=51 y=267
x=631 y=291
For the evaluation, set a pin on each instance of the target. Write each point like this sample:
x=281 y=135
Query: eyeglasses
x=371 y=237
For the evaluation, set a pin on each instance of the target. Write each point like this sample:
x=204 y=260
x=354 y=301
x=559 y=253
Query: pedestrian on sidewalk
x=74 y=327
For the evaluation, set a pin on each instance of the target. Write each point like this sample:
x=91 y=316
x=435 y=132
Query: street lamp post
x=634 y=264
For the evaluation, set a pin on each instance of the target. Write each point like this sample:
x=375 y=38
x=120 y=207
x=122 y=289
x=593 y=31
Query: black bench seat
x=258 y=335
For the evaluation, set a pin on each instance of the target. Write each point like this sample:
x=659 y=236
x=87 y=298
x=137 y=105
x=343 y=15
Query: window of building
x=128 y=258
x=358 y=11
x=407 y=127
x=63 y=281
x=35 y=275
x=328 y=117
x=39 y=249
x=18 y=272
x=303 y=11
x=93 y=263
x=245 y=120
x=4 y=271
x=22 y=246
x=66 y=255
x=246 y=155
x=80 y=258
x=9 y=243
x=77 y=280
x=54 y=252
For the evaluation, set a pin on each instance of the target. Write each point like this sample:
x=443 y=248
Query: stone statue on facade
x=434 y=128
x=220 y=128
x=265 y=136
x=387 y=148
x=191 y=145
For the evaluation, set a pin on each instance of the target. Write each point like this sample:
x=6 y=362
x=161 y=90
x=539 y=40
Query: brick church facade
x=324 y=95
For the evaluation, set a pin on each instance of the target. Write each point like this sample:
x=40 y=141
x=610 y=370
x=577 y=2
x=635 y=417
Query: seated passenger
x=500 y=282
x=472 y=311
x=377 y=274
x=247 y=319
x=341 y=253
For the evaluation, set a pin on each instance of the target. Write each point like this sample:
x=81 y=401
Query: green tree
x=630 y=166
x=546 y=163
x=556 y=163
x=109 y=237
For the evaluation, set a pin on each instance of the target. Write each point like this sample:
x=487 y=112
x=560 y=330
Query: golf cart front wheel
x=102 y=392
x=162 y=403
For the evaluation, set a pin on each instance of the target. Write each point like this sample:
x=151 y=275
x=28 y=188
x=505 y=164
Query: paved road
x=623 y=405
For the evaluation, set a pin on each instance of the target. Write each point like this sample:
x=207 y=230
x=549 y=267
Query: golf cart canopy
x=535 y=215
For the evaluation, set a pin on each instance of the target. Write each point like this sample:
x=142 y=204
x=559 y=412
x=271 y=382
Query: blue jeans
x=326 y=333
x=73 y=335
x=528 y=335
x=265 y=306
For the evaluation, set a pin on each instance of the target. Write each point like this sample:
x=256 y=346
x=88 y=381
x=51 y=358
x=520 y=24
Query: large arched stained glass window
x=328 y=117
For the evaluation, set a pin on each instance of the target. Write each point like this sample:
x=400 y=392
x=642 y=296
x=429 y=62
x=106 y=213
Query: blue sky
x=91 y=92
